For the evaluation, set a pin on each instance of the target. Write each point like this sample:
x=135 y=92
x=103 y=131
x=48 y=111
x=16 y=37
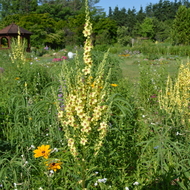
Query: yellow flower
x=17 y=78
x=54 y=166
x=42 y=151
x=114 y=85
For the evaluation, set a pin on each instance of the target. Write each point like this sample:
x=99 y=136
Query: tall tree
x=147 y=28
x=9 y=7
x=181 y=25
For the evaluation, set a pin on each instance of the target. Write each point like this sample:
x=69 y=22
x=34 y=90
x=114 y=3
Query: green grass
x=130 y=66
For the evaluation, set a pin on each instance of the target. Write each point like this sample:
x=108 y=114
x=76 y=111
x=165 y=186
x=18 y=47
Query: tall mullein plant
x=86 y=107
x=176 y=96
x=18 y=50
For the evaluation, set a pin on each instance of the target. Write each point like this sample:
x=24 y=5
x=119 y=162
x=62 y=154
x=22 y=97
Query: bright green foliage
x=55 y=40
x=58 y=11
x=147 y=28
x=10 y=19
x=123 y=37
x=181 y=25
x=11 y=7
x=75 y=28
x=40 y=25
x=162 y=29
x=105 y=31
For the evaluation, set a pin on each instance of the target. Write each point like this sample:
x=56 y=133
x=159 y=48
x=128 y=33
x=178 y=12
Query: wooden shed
x=11 y=31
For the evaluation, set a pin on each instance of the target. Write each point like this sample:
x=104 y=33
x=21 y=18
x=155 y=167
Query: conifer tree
x=181 y=25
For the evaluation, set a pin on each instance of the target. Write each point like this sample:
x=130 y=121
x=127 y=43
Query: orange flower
x=54 y=166
x=43 y=151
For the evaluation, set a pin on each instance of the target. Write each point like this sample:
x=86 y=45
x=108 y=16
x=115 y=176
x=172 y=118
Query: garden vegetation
x=109 y=118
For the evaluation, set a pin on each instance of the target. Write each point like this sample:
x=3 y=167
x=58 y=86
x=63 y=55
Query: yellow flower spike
x=18 y=50
x=176 y=96
x=84 y=100
x=42 y=151
x=87 y=33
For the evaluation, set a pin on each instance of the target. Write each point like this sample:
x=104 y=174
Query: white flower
x=26 y=162
x=51 y=171
x=105 y=179
x=136 y=183
x=55 y=150
x=96 y=184
x=15 y=184
x=102 y=180
x=32 y=146
x=126 y=188
x=96 y=172
x=40 y=188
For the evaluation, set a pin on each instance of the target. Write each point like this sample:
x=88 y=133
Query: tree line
x=58 y=23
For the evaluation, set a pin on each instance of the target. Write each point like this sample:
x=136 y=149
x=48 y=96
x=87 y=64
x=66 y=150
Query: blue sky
x=125 y=3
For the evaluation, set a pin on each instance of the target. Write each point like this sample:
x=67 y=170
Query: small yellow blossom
x=86 y=70
x=92 y=85
x=83 y=141
x=17 y=78
x=60 y=114
x=114 y=85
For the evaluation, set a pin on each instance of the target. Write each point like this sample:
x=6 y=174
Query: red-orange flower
x=54 y=166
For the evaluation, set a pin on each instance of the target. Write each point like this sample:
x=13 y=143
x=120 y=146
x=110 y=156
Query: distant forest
x=59 y=23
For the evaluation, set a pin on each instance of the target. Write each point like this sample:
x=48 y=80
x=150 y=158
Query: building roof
x=13 y=29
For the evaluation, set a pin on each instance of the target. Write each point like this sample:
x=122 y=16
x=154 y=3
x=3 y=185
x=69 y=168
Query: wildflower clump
x=176 y=96
x=85 y=98
x=44 y=151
